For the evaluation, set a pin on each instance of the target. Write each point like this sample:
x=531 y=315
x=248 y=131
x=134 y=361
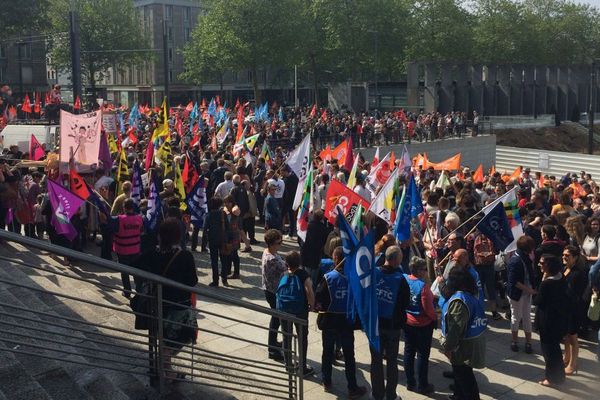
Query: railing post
x=301 y=360
x=159 y=339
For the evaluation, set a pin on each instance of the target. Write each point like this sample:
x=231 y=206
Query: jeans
x=127 y=260
x=465 y=385
x=291 y=214
x=346 y=336
x=248 y=225
x=417 y=341
x=487 y=276
x=389 y=341
x=215 y=254
x=273 y=324
x=286 y=328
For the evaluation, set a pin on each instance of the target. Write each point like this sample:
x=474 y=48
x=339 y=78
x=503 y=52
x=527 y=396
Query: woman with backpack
x=295 y=296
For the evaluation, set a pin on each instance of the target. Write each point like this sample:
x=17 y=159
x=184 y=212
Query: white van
x=20 y=135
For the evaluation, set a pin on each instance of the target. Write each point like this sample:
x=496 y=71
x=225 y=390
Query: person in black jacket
x=552 y=318
x=520 y=290
x=213 y=229
x=392 y=318
x=291 y=185
x=312 y=249
x=330 y=299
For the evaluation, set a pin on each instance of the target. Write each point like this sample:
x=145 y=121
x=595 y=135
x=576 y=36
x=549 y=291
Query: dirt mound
x=569 y=137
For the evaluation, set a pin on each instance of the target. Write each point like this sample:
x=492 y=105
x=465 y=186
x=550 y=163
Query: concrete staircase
x=80 y=370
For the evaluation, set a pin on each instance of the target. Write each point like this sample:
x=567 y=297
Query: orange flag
x=392 y=161
x=325 y=154
x=492 y=170
x=541 y=182
x=516 y=173
x=26 y=107
x=339 y=153
x=452 y=163
x=78 y=185
x=478 y=176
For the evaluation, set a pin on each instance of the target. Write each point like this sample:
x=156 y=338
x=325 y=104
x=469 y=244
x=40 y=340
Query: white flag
x=298 y=160
x=383 y=203
x=509 y=200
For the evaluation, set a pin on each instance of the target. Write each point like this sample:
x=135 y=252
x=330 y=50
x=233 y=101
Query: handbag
x=594 y=309
x=226 y=245
x=141 y=302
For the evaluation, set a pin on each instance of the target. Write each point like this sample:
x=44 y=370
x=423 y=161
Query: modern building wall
x=23 y=63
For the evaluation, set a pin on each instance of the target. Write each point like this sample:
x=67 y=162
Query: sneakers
x=247 y=249
x=234 y=276
x=213 y=284
x=514 y=346
x=357 y=392
x=308 y=370
x=528 y=348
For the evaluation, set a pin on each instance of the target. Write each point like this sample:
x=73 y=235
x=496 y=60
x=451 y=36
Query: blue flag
x=121 y=122
x=212 y=108
x=359 y=268
x=196 y=202
x=495 y=226
x=154 y=208
x=410 y=207
x=96 y=200
x=193 y=115
x=133 y=116
x=281 y=113
x=349 y=239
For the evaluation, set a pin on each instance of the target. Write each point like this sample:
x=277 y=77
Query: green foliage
x=341 y=40
x=106 y=26
x=21 y=16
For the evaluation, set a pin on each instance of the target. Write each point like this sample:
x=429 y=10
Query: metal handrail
x=259 y=377
x=72 y=254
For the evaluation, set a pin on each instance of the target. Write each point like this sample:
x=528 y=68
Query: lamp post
x=591 y=111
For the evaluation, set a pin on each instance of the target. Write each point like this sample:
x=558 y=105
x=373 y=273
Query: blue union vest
x=387 y=291
x=416 y=288
x=338 y=291
x=477 y=318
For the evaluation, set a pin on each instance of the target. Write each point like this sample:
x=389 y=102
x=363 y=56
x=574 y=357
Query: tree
x=21 y=16
x=243 y=35
x=111 y=32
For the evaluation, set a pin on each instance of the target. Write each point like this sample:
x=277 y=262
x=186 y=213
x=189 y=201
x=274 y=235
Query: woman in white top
x=590 y=246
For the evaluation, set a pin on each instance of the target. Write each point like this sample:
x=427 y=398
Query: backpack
x=483 y=251
x=290 y=296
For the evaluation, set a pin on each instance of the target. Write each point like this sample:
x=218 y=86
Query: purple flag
x=104 y=154
x=64 y=205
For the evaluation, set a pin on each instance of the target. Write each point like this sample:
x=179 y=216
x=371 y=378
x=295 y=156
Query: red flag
x=78 y=185
x=189 y=176
x=179 y=126
x=218 y=100
x=194 y=139
x=189 y=107
x=349 y=159
x=313 y=112
x=149 y=154
x=478 y=176
x=36 y=152
x=240 y=124
x=213 y=143
x=12 y=112
x=195 y=129
x=131 y=135
x=340 y=195
x=37 y=106
x=77 y=105
x=47 y=99
x=26 y=107
x=237 y=104
x=203 y=105
x=392 y=161
x=324 y=115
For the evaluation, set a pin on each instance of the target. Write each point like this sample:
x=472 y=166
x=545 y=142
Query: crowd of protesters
x=555 y=266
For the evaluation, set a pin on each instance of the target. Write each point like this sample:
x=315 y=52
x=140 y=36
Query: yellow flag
x=162 y=130
x=164 y=154
x=112 y=144
x=251 y=142
x=123 y=171
x=180 y=187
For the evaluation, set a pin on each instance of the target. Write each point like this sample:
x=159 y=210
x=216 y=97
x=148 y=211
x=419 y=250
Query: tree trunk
x=255 y=86
x=313 y=65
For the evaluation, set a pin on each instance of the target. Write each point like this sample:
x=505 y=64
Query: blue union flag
x=495 y=226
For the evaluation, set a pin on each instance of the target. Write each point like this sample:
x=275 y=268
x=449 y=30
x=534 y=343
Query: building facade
x=23 y=64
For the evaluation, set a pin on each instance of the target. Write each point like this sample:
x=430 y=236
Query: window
x=27 y=73
x=186 y=34
x=2 y=73
x=25 y=51
x=187 y=12
x=169 y=12
x=170 y=75
x=170 y=55
x=170 y=33
x=2 y=51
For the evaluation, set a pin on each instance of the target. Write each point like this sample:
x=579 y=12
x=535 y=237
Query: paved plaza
x=508 y=375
